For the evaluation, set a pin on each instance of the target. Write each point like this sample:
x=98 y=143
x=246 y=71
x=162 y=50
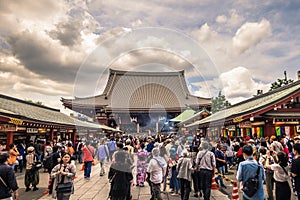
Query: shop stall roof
x=257 y=104
x=20 y=109
x=183 y=116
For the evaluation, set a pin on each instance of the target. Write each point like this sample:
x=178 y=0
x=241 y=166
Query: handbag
x=62 y=187
x=36 y=166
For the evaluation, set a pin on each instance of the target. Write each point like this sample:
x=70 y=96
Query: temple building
x=139 y=101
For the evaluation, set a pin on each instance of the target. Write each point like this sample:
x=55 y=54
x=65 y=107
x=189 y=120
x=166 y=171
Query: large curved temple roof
x=128 y=90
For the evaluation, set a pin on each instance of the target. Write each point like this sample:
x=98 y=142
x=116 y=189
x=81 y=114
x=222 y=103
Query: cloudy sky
x=63 y=48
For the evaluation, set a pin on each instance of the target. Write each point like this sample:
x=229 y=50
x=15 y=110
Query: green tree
x=281 y=82
x=219 y=103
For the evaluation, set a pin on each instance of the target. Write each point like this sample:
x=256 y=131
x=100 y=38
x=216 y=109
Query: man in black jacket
x=8 y=180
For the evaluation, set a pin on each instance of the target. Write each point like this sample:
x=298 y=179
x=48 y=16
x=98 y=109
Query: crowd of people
x=186 y=165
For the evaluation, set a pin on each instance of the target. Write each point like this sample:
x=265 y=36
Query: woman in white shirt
x=281 y=176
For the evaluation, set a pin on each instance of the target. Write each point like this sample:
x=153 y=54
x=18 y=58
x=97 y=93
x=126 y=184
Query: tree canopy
x=281 y=82
x=219 y=103
x=37 y=102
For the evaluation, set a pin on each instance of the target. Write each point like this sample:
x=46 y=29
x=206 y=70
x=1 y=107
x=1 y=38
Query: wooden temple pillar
x=10 y=139
x=73 y=136
x=51 y=135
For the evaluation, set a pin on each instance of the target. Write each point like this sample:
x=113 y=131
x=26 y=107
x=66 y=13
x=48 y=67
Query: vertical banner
x=287 y=131
x=278 y=131
x=282 y=130
x=248 y=133
x=257 y=130
x=242 y=132
x=261 y=131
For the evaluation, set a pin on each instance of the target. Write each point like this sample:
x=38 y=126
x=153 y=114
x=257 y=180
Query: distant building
x=139 y=100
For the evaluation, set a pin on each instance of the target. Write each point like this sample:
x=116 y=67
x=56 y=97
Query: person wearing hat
x=275 y=145
x=31 y=174
x=8 y=177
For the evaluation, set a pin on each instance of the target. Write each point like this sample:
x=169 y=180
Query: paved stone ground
x=96 y=188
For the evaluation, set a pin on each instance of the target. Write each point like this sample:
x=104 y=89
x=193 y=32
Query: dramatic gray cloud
x=54 y=44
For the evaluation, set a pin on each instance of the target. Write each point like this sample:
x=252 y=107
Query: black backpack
x=48 y=163
x=250 y=187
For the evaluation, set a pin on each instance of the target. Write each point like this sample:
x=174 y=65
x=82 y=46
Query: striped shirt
x=207 y=162
x=29 y=160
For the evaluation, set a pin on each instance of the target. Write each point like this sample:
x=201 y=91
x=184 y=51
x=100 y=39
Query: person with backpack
x=247 y=169
x=31 y=174
x=52 y=160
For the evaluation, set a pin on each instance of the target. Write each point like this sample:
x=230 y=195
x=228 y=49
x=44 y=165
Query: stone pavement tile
x=97 y=188
x=216 y=194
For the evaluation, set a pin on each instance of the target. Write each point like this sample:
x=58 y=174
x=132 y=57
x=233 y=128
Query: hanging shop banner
x=298 y=128
x=238 y=119
x=15 y=121
x=246 y=124
x=8 y=128
x=231 y=128
x=32 y=130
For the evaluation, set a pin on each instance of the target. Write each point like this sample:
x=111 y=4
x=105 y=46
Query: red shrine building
x=276 y=112
x=139 y=101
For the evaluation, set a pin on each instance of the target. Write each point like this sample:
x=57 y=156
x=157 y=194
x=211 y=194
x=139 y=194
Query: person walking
x=112 y=147
x=21 y=156
x=102 y=155
x=79 y=151
x=50 y=163
x=184 y=169
x=142 y=156
x=88 y=158
x=247 y=169
x=220 y=163
x=31 y=174
x=206 y=165
x=120 y=177
x=281 y=175
x=63 y=172
x=157 y=169
x=8 y=180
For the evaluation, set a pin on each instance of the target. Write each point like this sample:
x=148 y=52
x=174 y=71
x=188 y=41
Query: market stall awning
x=183 y=116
